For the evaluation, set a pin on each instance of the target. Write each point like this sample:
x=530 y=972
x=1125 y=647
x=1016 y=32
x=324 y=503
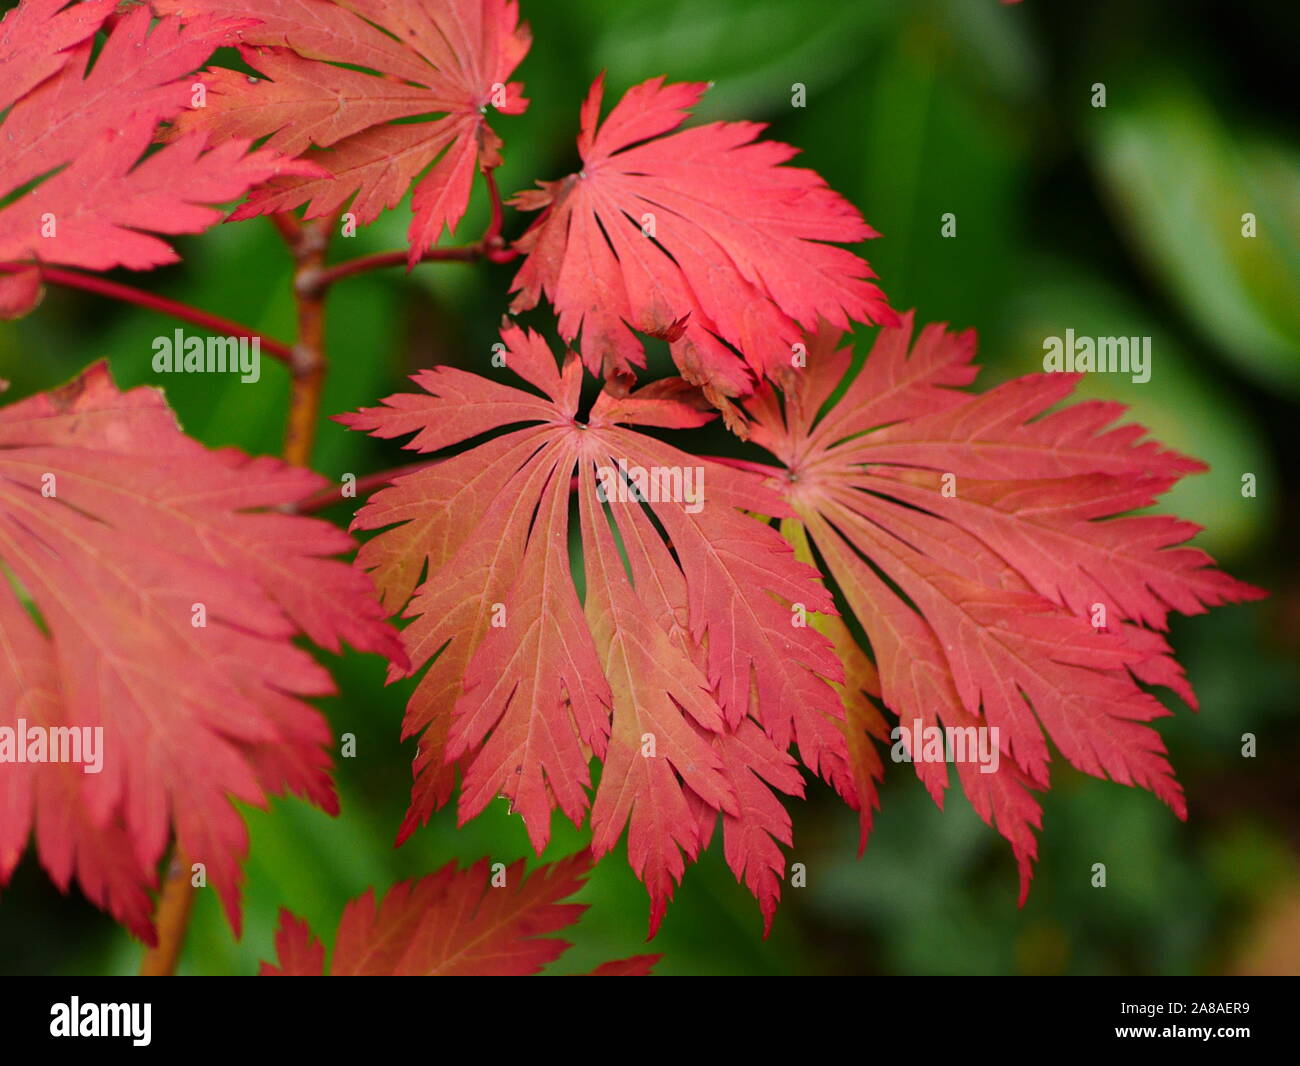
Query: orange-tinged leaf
x=682 y=654
x=485 y=921
x=449 y=58
x=856 y=780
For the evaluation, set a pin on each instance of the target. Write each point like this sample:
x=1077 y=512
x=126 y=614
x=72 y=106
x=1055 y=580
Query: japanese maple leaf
x=479 y=922
x=450 y=58
x=84 y=129
x=684 y=669
x=700 y=236
x=153 y=593
x=985 y=548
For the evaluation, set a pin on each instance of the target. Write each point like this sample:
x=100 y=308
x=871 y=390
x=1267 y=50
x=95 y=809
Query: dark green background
x=1117 y=221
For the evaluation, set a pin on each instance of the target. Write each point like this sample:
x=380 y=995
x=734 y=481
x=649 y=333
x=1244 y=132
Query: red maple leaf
x=127 y=545
x=976 y=539
x=479 y=922
x=682 y=670
x=700 y=236
x=450 y=57
x=84 y=129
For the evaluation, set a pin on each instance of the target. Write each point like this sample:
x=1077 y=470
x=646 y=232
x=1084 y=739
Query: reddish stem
x=127 y=294
x=289 y=227
x=319 y=501
x=495 y=249
x=468 y=254
x=492 y=238
x=491 y=246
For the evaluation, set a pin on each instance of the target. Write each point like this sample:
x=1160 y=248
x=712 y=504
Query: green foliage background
x=1117 y=221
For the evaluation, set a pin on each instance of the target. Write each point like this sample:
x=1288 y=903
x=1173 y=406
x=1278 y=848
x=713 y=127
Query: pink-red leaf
x=636 y=966
x=20 y=292
x=99 y=212
x=979 y=541
x=126 y=545
x=700 y=236
x=35 y=37
x=84 y=129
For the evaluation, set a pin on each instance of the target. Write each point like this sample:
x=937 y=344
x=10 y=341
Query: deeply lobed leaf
x=699 y=236
x=125 y=546
x=478 y=922
x=986 y=548
x=77 y=133
x=681 y=670
x=450 y=58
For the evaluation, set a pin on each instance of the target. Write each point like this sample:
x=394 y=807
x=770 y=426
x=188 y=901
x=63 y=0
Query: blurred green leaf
x=1182 y=183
